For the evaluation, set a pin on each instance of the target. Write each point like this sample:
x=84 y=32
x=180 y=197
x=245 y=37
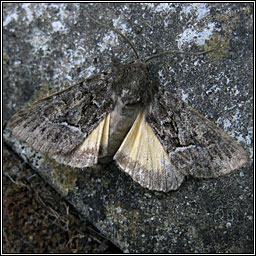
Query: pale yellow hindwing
x=86 y=154
x=144 y=158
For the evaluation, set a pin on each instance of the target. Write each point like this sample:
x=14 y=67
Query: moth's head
x=132 y=84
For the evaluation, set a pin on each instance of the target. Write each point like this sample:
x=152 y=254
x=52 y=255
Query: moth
x=154 y=137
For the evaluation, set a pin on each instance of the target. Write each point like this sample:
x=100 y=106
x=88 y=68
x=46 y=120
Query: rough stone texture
x=47 y=47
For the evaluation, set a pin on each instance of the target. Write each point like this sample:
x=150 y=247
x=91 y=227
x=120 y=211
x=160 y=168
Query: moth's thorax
x=132 y=83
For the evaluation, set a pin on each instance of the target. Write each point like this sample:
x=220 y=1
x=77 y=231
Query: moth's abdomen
x=121 y=120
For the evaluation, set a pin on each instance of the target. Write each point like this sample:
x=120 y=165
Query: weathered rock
x=50 y=46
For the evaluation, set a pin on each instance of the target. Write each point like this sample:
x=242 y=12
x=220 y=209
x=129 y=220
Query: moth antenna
x=179 y=52
x=118 y=32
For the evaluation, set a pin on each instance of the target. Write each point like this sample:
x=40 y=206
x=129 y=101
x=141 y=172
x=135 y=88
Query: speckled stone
x=47 y=47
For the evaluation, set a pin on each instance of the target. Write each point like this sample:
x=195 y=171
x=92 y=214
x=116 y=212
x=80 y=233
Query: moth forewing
x=58 y=124
x=87 y=153
x=195 y=145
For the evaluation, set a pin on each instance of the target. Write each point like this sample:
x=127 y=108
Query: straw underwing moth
x=155 y=137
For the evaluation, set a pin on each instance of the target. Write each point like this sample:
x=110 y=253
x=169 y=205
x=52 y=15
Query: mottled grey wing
x=195 y=145
x=60 y=122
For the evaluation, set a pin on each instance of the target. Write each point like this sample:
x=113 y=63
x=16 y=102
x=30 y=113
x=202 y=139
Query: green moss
x=64 y=176
x=44 y=92
x=220 y=46
x=127 y=220
x=230 y=22
x=5 y=58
